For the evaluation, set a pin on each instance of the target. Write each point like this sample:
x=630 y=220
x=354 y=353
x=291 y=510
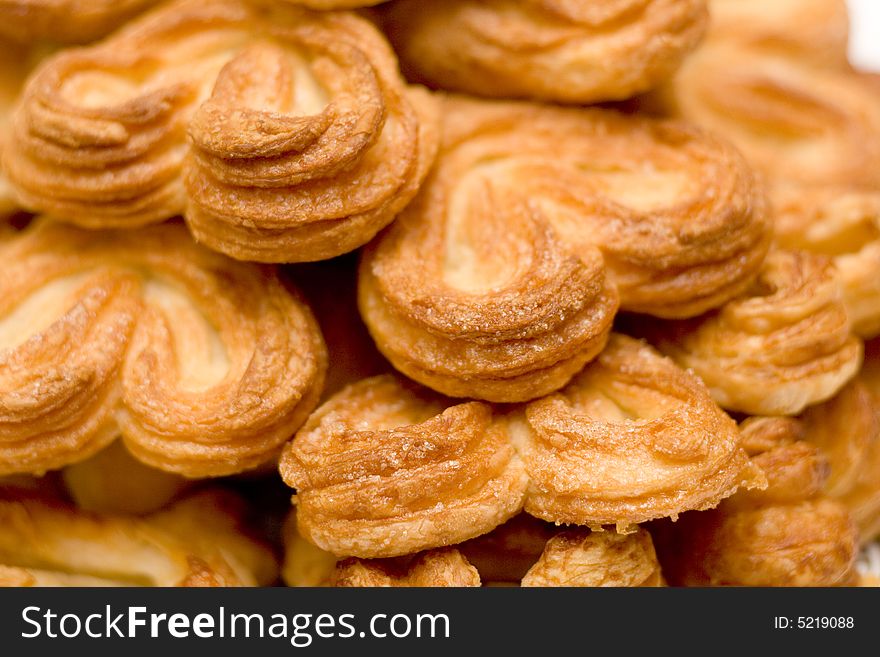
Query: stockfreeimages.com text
x=299 y=629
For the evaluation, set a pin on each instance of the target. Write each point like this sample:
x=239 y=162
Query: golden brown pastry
x=583 y=558
x=446 y=567
x=65 y=21
x=498 y=281
x=523 y=551
x=113 y=481
x=786 y=535
x=783 y=345
x=805 y=30
x=203 y=364
x=556 y=50
x=847 y=431
x=385 y=469
x=282 y=134
x=631 y=438
x=317 y=168
x=200 y=541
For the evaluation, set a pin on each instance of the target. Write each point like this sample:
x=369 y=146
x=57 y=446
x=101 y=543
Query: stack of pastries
x=510 y=293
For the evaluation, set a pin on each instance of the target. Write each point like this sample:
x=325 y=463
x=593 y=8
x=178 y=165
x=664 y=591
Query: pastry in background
x=631 y=438
x=789 y=534
x=797 y=123
x=787 y=99
x=65 y=21
x=330 y=287
x=783 y=345
x=49 y=484
x=304 y=564
x=501 y=280
x=328 y=4
x=816 y=31
x=505 y=555
x=845 y=226
x=280 y=133
x=869 y=566
x=847 y=430
x=16 y=62
x=554 y=50
x=113 y=481
x=199 y=541
x=205 y=366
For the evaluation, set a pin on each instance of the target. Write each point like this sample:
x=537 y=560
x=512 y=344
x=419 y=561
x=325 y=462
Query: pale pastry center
x=309 y=95
x=387 y=415
x=644 y=190
x=194 y=59
x=479 y=256
x=202 y=359
x=619 y=402
x=39 y=310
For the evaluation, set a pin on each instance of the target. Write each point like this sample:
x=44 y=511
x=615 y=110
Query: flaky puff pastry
x=385 y=468
x=113 y=481
x=631 y=438
x=203 y=364
x=785 y=344
x=805 y=30
x=501 y=279
x=592 y=559
x=65 y=21
x=199 y=541
x=786 y=535
x=847 y=431
x=557 y=50
x=282 y=134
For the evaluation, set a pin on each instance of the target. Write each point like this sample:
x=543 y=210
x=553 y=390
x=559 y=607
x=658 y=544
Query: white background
x=864 y=45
